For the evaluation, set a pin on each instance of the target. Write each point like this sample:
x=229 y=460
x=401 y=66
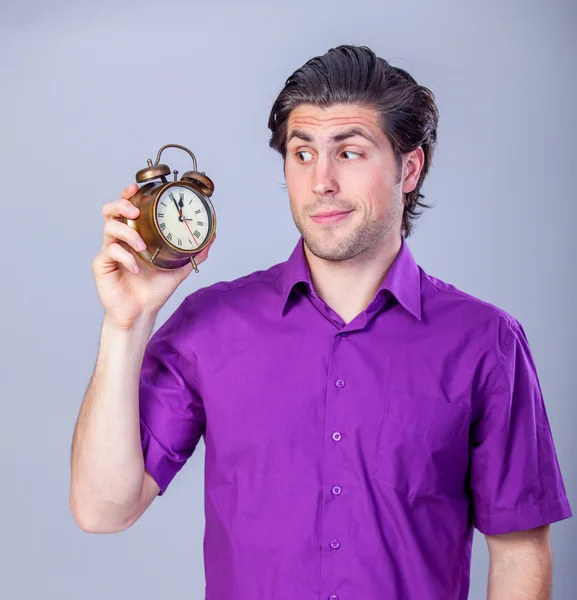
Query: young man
x=360 y=416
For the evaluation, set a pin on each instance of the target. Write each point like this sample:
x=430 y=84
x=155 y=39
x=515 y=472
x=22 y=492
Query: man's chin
x=333 y=249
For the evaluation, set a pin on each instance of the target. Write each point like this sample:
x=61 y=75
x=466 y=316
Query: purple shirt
x=349 y=462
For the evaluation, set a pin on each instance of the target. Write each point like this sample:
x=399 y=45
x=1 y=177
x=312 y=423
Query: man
x=360 y=416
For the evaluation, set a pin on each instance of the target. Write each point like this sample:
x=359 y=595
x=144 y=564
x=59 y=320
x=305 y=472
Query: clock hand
x=184 y=221
x=181 y=218
x=191 y=235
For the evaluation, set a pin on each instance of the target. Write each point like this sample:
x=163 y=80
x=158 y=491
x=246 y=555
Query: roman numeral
x=181 y=197
x=161 y=214
x=200 y=223
x=171 y=196
x=163 y=226
x=197 y=212
x=169 y=236
x=190 y=241
x=179 y=242
x=196 y=233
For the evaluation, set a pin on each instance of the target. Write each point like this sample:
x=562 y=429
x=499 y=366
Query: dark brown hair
x=355 y=75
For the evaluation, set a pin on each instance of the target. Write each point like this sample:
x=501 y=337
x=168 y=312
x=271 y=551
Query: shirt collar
x=403 y=279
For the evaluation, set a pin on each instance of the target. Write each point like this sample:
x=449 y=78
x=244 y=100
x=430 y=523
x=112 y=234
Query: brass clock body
x=177 y=219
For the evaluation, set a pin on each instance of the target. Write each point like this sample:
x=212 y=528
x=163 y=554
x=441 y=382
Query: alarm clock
x=177 y=219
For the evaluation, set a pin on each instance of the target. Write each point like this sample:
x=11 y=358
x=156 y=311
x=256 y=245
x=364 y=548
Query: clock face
x=182 y=217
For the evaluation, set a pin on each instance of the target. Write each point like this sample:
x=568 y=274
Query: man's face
x=330 y=168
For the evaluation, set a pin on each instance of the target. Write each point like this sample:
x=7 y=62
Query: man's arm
x=521 y=565
x=109 y=488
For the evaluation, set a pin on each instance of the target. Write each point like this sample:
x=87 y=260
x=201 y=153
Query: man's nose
x=324 y=177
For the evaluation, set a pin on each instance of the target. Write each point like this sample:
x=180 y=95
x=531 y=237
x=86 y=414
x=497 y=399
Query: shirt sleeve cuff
x=523 y=518
x=156 y=460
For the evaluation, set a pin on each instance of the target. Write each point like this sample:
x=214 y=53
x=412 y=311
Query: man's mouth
x=330 y=216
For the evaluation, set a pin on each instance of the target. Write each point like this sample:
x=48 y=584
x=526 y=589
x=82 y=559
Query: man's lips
x=331 y=213
x=332 y=216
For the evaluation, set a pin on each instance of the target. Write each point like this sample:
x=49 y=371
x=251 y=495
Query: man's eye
x=350 y=152
x=301 y=152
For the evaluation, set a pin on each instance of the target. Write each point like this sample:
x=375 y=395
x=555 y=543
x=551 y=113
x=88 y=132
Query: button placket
x=336 y=407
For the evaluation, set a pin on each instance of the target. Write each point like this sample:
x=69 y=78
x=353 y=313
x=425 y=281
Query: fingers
x=116 y=230
x=112 y=255
x=129 y=191
x=120 y=208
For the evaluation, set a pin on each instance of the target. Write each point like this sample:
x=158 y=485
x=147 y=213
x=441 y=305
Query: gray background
x=89 y=92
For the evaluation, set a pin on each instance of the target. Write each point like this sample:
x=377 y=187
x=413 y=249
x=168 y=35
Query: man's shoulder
x=441 y=298
x=469 y=326
x=256 y=285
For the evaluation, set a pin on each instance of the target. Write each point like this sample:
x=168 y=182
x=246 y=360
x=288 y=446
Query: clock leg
x=194 y=264
x=154 y=255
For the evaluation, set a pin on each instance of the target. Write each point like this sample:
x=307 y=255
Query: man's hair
x=355 y=75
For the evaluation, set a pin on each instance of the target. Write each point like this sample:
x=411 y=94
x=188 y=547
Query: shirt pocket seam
x=419 y=429
x=421 y=438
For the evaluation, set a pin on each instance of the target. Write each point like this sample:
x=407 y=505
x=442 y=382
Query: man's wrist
x=143 y=323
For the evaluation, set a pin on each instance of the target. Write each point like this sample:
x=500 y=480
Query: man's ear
x=414 y=165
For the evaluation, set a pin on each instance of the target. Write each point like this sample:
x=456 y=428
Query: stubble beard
x=341 y=242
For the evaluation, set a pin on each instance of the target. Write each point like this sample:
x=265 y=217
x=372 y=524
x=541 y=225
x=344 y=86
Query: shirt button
x=335 y=544
x=340 y=383
x=337 y=490
x=337 y=436
x=333 y=597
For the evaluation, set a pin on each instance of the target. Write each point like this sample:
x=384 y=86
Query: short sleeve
x=172 y=417
x=515 y=478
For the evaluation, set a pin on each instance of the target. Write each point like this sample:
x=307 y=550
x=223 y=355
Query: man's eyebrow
x=339 y=137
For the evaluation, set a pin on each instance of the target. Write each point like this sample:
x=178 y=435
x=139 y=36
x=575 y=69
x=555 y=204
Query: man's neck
x=349 y=286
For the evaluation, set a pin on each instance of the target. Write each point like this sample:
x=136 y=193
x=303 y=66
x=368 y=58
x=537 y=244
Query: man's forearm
x=107 y=466
x=523 y=575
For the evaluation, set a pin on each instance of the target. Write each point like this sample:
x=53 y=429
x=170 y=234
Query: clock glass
x=182 y=217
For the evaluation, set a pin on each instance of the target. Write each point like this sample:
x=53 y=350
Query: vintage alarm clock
x=177 y=219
